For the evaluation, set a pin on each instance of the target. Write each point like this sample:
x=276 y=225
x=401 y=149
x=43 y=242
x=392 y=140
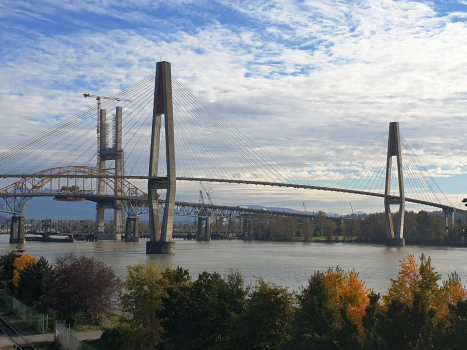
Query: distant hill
x=46 y=207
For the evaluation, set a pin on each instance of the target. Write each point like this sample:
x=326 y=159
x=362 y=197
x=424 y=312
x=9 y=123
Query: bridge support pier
x=100 y=223
x=17 y=232
x=449 y=218
x=132 y=230
x=247 y=230
x=395 y=235
x=204 y=230
x=100 y=218
x=160 y=240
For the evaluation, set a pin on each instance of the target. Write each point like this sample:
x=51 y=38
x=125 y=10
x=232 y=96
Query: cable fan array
x=207 y=146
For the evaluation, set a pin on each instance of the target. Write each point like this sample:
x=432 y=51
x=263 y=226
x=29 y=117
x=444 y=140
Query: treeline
x=419 y=228
x=166 y=309
x=79 y=288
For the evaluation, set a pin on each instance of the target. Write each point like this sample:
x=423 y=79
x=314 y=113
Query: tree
x=198 y=315
x=266 y=319
x=31 y=286
x=6 y=265
x=307 y=230
x=416 y=308
x=328 y=229
x=81 y=287
x=317 y=319
x=20 y=264
x=144 y=291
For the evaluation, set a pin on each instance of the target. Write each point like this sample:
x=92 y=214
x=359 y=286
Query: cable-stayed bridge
x=158 y=127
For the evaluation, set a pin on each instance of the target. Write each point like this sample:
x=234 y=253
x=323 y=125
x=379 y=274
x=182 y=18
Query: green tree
x=307 y=230
x=31 y=287
x=329 y=227
x=266 y=319
x=145 y=289
x=198 y=315
x=317 y=319
x=6 y=265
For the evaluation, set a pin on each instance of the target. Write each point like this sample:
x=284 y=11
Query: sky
x=306 y=81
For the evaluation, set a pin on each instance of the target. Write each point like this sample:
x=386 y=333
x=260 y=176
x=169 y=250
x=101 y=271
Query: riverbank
x=359 y=240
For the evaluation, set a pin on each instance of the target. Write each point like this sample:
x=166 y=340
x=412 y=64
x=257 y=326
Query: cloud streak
x=306 y=81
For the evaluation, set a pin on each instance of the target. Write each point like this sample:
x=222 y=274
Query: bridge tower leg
x=17 y=233
x=160 y=240
x=247 y=230
x=105 y=152
x=395 y=235
x=118 y=209
x=100 y=209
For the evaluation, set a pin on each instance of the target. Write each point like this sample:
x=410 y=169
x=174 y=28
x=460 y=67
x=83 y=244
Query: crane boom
x=107 y=98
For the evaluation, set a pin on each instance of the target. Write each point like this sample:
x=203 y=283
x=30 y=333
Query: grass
x=94 y=343
x=115 y=320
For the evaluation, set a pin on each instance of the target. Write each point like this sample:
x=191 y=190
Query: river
x=289 y=264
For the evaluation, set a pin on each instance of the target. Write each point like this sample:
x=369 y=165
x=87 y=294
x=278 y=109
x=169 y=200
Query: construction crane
x=351 y=209
x=98 y=99
x=208 y=193
x=201 y=197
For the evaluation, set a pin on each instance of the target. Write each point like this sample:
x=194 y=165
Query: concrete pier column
x=17 y=232
x=132 y=229
x=100 y=224
x=204 y=230
x=161 y=237
x=100 y=218
x=247 y=230
x=395 y=235
x=449 y=218
x=118 y=218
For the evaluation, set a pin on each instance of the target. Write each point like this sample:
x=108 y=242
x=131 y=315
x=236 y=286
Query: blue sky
x=306 y=80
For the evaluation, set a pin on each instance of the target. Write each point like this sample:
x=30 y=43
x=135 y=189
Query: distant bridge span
x=33 y=185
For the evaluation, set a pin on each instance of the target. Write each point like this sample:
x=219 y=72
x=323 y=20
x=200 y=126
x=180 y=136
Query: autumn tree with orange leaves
x=330 y=311
x=20 y=264
x=416 y=312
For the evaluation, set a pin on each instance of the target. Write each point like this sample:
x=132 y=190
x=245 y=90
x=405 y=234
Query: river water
x=289 y=264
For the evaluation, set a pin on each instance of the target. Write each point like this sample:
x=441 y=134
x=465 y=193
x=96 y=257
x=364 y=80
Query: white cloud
x=311 y=82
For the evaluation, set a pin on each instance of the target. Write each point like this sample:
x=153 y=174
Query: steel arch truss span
x=70 y=182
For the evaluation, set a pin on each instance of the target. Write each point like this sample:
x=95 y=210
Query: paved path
x=5 y=341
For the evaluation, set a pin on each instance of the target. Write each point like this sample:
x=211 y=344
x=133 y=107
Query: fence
x=39 y=321
x=68 y=338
